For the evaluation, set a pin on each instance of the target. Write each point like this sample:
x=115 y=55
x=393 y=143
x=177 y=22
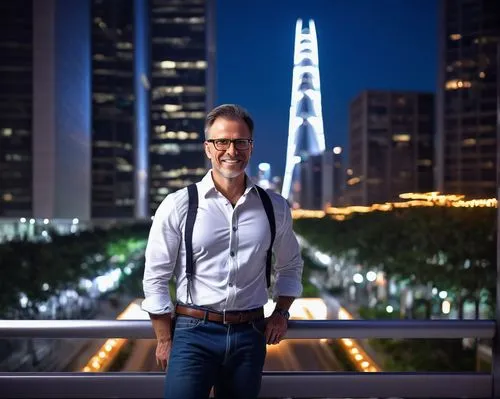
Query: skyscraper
x=114 y=50
x=181 y=83
x=153 y=82
x=44 y=125
x=16 y=116
x=390 y=146
x=305 y=131
x=102 y=104
x=467 y=95
x=159 y=98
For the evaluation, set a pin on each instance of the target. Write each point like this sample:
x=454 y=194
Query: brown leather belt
x=229 y=317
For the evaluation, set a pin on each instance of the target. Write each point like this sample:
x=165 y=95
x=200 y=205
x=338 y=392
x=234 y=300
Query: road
x=289 y=355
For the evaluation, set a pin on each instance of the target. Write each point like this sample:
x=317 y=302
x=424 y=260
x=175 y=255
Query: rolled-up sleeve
x=161 y=256
x=289 y=264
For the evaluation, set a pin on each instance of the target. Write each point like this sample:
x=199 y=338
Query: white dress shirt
x=229 y=251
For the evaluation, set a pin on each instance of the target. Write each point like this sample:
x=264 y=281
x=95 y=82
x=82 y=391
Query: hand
x=163 y=353
x=276 y=327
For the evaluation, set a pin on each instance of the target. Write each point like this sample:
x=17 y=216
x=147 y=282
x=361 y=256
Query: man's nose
x=231 y=149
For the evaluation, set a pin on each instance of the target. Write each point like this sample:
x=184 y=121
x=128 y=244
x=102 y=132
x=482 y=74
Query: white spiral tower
x=305 y=131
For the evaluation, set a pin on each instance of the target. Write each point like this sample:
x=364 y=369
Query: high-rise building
x=113 y=111
x=311 y=179
x=333 y=179
x=16 y=104
x=181 y=92
x=321 y=180
x=44 y=97
x=390 y=146
x=305 y=131
x=467 y=95
x=153 y=82
x=102 y=104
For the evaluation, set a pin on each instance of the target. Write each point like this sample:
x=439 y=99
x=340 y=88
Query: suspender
x=188 y=234
x=268 y=207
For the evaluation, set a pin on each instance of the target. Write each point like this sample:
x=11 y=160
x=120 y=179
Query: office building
x=390 y=146
x=182 y=85
x=16 y=104
x=467 y=96
x=333 y=179
x=44 y=125
x=151 y=89
x=102 y=104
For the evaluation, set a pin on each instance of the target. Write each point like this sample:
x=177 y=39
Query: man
x=220 y=334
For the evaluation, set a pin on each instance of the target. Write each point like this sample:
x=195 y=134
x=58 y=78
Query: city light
x=357 y=278
x=389 y=309
x=306 y=116
x=337 y=150
x=431 y=199
x=354 y=350
x=371 y=276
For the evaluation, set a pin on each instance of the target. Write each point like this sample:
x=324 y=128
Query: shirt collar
x=207 y=185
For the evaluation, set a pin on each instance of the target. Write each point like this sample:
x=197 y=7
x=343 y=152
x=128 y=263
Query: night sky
x=363 y=44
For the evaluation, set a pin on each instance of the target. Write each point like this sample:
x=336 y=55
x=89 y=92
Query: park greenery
x=451 y=248
x=43 y=269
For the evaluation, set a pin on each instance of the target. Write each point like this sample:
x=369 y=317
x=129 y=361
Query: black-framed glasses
x=224 y=144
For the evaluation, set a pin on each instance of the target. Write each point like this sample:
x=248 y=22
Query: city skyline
x=389 y=45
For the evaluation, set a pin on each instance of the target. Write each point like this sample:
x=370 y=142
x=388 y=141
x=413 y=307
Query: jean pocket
x=259 y=326
x=186 y=323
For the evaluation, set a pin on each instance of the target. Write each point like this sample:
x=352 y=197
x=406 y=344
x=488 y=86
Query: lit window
x=7 y=132
x=124 y=45
x=482 y=75
x=172 y=107
x=353 y=181
x=402 y=137
x=469 y=142
x=7 y=197
x=455 y=84
x=455 y=36
x=424 y=162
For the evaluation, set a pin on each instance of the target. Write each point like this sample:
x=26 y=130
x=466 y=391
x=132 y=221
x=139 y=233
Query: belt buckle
x=224 y=317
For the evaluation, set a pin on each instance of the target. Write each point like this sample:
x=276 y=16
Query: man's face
x=229 y=160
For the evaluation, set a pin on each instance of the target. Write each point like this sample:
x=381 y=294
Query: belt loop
x=205 y=316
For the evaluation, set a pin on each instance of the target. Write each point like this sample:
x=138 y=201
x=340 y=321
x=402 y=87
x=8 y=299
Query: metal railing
x=275 y=384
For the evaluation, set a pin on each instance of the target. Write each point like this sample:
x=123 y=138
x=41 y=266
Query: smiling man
x=216 y=334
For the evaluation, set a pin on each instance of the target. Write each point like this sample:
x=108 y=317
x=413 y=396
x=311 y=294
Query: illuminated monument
x=305 y=131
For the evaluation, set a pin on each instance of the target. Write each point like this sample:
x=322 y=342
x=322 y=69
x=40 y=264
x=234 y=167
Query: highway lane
x=289 y=355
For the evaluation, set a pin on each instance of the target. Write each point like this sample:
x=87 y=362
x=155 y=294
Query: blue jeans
x=206 y=354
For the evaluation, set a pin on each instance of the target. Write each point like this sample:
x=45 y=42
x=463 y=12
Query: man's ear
x=207 y=151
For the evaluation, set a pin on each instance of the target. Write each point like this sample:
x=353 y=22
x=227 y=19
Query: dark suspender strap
x=268 y=207
x=188 y=233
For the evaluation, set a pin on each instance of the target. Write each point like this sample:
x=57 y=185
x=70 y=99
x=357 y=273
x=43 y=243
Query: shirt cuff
x=157 y=304
x=286 y=286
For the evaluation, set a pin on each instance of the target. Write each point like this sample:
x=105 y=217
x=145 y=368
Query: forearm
x=284 y=302
x=162 y=325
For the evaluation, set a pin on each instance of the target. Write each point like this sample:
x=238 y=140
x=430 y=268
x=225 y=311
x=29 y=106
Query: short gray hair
x=230 y=112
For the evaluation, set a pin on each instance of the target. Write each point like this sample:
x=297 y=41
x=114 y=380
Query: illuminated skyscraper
x=467 y=98
x=305 y=131
x=153 y=80
x=182 y=83
x=44 y=109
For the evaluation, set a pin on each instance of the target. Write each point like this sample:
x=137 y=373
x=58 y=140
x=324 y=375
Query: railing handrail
x=297 y=329
x=274 y=384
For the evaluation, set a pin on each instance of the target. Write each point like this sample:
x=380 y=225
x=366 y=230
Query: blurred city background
x=377 y=120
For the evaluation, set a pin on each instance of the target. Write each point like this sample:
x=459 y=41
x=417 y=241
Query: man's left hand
x=276 y=327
